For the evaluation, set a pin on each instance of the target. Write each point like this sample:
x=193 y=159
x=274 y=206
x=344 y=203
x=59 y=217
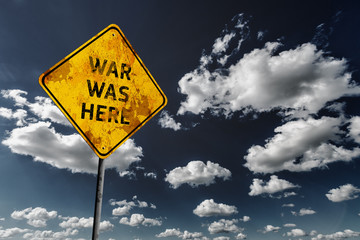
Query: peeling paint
x=105 y=90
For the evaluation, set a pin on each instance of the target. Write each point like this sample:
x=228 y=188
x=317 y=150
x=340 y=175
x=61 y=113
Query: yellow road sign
x=105 y=90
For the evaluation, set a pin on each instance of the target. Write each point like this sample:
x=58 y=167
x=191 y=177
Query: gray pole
x=98 y=199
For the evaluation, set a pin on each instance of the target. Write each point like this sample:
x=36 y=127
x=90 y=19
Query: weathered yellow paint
x=70 y=83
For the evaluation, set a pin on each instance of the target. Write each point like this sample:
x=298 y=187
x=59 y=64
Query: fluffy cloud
x=40 y=140
x=125 y=206
x=221 y=238
x=271 y=228
x=289 y=225
x=296 y=233
x=11 y=232
x=183 y=235
x=337 y=236
x=18 y=114
x=210 y=208
x=302 y=79
x=274 y=185
x=139 y=219
x=71 y=152
x=36 y=217
x=167 y=121
x=288 y=205
x=196 y=173
x=224 y=226
x=300 y=145
x=303 y=212
x=170 y=233
x=241 y=236
x=16 y=95
x=48 y=234
x=75 y=222
x=354 y=128
x=343 y=193
x=245 y=219
x=45 y=109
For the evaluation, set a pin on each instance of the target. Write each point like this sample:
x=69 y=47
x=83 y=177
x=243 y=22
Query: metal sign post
x=98 y=199
x=107 y=94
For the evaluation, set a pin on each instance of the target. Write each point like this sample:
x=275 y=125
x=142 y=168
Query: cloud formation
x=196 y=173
x=303 y=212
x=347 y=233
x=209 y=208
x=167 y=121
x=343 y=193
x=125 y=206
x=274 y=185
x=40 y=140
x=300 y=145
x=303 y=79
x=224 y=226
x=36 y=217
x=137 y=219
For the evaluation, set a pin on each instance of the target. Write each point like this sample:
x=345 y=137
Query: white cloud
x=71 y=152
x=196 y=173
x=303 y=212
x=125 y=206
x=337 y=236
x=221 y=238
x=18 y=114
x=289 y=225
x=222 y=43
x=45 y=109
x=150 y=175
x=137 y=219
x=183 y=235
x=300 y=145
x=274 y=185
x=241 y=236
x=50 y=235
x=354 y=128
x=167 y=121
x=75 y=222
x=170 y=233
x=224 y=226
x=291 y=205
x=16 y=95
x=11 y=232
x=36 y=217
x=343 y=193
x=245 y=219
x=271 y=228
x=303 y=79
x=120 y=211
x=297 y=232
x=209 y=208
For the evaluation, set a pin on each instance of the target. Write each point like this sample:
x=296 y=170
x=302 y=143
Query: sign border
x=78 y=50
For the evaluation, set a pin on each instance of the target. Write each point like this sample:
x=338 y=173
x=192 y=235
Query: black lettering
x=112 y=115
x=127 y=71
x=110 y=92
x=97 y=65
x=95 y=89
x=112 y=69
x=123 y=121
x=99 y=112
x=84 y=110
x=126 y=96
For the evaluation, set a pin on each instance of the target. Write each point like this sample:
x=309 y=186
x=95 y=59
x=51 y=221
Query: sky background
x=260 y=138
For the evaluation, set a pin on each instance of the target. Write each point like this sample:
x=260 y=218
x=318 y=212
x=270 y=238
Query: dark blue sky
x=259 y=139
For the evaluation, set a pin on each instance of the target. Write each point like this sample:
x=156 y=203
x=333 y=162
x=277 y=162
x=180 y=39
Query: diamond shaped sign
x=104 y=90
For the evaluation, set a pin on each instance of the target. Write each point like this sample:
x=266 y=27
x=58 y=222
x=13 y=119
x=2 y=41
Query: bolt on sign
x=105 y=90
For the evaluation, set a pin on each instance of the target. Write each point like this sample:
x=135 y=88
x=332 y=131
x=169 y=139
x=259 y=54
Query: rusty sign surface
x=104 y=90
